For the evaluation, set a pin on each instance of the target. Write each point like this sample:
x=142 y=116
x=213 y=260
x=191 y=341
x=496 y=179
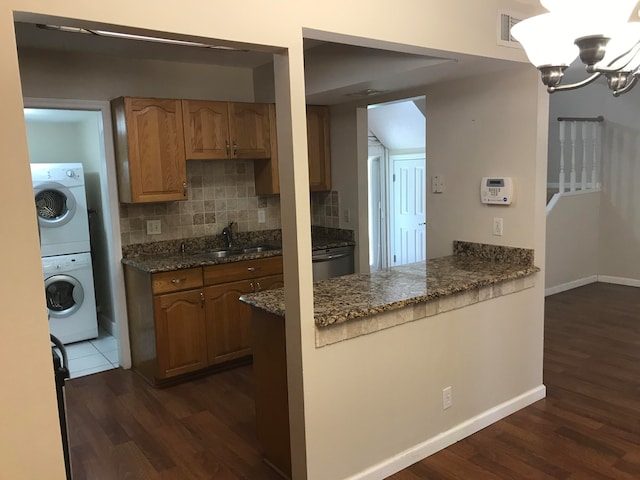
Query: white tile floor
x=92 y=356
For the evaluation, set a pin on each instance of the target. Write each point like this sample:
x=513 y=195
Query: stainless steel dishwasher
x=332 y=262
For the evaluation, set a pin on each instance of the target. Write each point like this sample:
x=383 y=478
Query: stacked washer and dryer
x=61 y=205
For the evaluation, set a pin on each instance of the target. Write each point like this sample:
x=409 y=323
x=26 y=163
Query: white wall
x=619 y=221
x=104 y=77
x=477 y=128
x=572 y=240
x=487 y=125
x=468 y=26
x=387 y=386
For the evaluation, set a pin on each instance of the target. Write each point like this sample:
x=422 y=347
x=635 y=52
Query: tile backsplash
x=219 y=192
x=325 y=209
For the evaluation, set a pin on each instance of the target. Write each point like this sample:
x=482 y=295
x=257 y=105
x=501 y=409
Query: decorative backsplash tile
x=219 y=192
x=325 y=209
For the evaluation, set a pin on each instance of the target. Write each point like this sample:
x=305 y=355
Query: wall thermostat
x=496 y=190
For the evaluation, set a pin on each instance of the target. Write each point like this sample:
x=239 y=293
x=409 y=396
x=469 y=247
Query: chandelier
x=598 y=31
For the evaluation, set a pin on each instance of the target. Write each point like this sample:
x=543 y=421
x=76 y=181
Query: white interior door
x=408 y=238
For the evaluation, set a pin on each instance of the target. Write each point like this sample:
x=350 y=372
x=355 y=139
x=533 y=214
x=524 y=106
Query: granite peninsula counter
x=361 y=304
x=475 y=272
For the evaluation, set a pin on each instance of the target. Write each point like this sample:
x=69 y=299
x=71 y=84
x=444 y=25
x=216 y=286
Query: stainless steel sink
x=218 y=253
x=257 y=249
x=222 y=253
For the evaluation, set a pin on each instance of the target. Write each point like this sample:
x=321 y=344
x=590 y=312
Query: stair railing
x=591 y=130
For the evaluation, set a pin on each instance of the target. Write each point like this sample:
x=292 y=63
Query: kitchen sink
x=222 y=253
x=218 y=253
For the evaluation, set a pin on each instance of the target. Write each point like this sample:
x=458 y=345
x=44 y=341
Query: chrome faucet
x=228 y=235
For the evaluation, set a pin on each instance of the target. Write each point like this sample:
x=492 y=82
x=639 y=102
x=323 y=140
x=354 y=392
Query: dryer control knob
x=70 y=173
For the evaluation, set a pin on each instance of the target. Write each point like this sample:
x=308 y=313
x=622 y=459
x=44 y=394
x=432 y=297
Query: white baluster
x=561 y=177
x=572 y=180
x=594 y=165
x=583 y=179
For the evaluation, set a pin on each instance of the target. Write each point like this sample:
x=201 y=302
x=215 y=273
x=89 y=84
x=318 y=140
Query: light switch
x=437 y=184
x=261 y=216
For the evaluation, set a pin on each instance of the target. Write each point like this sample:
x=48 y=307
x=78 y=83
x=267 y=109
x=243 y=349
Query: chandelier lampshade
x=598 y=31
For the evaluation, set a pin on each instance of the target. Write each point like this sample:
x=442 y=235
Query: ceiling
x=335 y=73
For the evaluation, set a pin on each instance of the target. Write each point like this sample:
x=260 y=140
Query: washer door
x=55 y=204
x=64 y=295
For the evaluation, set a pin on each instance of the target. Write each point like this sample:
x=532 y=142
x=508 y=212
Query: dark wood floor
x=588 y=427
x=121 y=428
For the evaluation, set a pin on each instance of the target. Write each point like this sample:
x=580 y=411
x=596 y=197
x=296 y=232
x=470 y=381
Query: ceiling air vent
x=506 y=20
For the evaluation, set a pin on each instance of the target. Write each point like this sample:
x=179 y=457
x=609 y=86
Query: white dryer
x=68 y=285
x=61 y=205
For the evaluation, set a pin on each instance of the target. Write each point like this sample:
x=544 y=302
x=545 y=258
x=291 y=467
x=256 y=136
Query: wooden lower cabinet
x=228 y=320
x=184 y=321
x=180 y=333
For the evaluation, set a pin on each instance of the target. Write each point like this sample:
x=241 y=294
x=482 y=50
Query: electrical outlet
x=437 y=184
x=497 y=226
x=346 y=215
x=154 y=227
x=261 y=216
x=447 y=398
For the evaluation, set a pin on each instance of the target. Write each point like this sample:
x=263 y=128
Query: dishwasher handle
x=324 y=258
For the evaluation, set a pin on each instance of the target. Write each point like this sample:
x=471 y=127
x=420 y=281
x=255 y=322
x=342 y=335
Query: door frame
x=109 y=190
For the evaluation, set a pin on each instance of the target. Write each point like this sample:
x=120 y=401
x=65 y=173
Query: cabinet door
x=318 y=148
x=249 y=130
x=268 y=283
x=228 y=320
x=180 y=333
x=157 y=167
x=206 y=130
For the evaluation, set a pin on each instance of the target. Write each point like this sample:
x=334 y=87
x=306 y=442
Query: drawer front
x=244 y=270
x=177 y=280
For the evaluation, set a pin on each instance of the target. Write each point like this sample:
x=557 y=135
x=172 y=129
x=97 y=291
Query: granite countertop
x=166 y=262
x=472 y=266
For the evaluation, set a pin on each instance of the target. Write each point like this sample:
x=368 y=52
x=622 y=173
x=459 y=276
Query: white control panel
x=496 y=190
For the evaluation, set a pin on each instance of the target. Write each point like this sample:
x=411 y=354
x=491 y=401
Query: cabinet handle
x=253 y=288
x=184 y=189
x=259 y=287
x=235 y=149
x=251 y=269
x=228 y=148
x=201 y=298
x=178 y=281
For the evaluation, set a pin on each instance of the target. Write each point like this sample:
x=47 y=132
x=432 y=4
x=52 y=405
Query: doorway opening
x=64 y=132
x=397 y=182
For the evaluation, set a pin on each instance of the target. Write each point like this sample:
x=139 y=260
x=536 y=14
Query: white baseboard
x=630 y=282
x=404 y=459
x=571 y=285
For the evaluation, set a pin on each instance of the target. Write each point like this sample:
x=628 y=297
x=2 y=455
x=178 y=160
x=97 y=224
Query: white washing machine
x=68 y=285
x=61 y=205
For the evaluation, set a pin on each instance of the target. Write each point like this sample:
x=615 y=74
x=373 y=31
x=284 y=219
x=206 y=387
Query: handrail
x=581 y=119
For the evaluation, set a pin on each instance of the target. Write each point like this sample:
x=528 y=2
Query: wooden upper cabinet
x=206 y=130
x=249 y=130
x=318 y=150
x=318 y=146
x=149 y=145
x=221 y=130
